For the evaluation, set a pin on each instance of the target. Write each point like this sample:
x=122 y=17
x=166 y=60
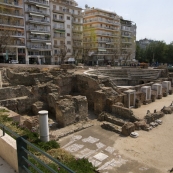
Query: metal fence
x=25 y=155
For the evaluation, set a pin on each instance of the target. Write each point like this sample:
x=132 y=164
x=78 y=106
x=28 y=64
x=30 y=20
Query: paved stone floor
x=5 y=168
x=96 y=144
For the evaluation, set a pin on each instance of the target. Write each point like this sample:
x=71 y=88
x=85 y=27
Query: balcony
x=11 y=3
x=11 y=13
x=77 y=22
x=60 y=36
x=77 y=38
x=101 y=33
x=77 y=45
x=12 y=24
x=126 y=35
x=102 y=21
x=76 y=30
x=43 y=12
x=32 y=29
x=126 y=47
x=39 y=47
x=58 y=46
x=61 y=11
x=101 y=27
x=112 y=16
x=45 y=3
x=40 y=21
x=39 y=38
x=126 y=42
x=58 y=19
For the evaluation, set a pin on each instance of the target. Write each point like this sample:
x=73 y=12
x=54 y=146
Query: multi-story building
x=66 y=30
x=143 y=43
x=128 y=41
x=12 y=30
x=101 y=35
x=38 y=32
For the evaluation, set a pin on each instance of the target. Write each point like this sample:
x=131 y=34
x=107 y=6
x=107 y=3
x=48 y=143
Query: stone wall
x=87 y=86
x=124 y=113
x=14 y=92
x=65 y=84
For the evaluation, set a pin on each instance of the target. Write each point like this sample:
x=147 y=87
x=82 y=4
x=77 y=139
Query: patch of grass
x=4 y=110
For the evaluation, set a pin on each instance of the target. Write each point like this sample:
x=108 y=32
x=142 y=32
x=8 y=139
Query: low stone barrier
x=8 y=150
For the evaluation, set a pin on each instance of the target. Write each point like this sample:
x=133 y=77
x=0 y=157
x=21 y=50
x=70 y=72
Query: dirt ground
x=151 y=152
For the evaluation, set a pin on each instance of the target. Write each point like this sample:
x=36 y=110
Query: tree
x=115 y=56
x=6 y=32
x=63 y=52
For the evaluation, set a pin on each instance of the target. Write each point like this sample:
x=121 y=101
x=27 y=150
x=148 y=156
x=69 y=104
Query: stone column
x=44 y=127
x=0 y=79
x=16 y=53
x=134 y=99
x=26 y=56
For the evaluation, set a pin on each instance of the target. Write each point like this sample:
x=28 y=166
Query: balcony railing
x=38 y=20
x=126 y=35
x=38 y=11
x=77 y=30
x=38 y=29
x=59 y=36
x=39 y=2
x=58 y=45
x=58 y=19
x=77 y=22
x=11 y=3
x=59 y=27
x=12 y=13
x=39 y=38
x=11 y=24
x=102 y=14
x=103 y=20
x=102 y=27
x=38 y=47
x=101 y=33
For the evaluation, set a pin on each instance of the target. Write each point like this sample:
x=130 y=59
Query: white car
x=14 y=62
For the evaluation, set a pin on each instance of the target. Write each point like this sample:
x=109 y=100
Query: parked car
x=14 y=62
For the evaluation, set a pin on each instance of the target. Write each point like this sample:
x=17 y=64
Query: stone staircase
x=111 y=122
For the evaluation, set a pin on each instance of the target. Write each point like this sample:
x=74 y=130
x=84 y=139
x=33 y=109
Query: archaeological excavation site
x=72 y=96
x=103 y=114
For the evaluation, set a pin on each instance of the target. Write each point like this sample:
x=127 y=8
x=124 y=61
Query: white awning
x=48 y=43
x=39 y=33
x=36 y=15
x=102 y=50
x=41 y=6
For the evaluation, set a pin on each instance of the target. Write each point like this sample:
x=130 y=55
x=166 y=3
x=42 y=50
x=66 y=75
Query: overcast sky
x=154 y=18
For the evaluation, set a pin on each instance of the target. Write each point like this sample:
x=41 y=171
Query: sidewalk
x=5 y=168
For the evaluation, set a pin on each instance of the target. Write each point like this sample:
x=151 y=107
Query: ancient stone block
x=128 y=128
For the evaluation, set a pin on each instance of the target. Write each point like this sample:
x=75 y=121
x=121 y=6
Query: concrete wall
x=8 y=150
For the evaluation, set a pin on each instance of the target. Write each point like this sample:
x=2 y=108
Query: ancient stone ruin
x=68 y=96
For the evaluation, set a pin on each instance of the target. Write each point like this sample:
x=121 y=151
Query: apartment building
x=12 y=30
x=66 y=30
x=128 y=41
x=38 y=32
x=101 y=35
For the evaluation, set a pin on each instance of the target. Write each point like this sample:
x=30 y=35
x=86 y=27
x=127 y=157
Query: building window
x=68 y=42
x=68 y=26
x=69 y=50
x=68 y=34
x=54 y=7
x=68 y=17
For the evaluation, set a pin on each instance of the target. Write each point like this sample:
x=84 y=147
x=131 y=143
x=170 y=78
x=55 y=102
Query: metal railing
x=24 y=164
